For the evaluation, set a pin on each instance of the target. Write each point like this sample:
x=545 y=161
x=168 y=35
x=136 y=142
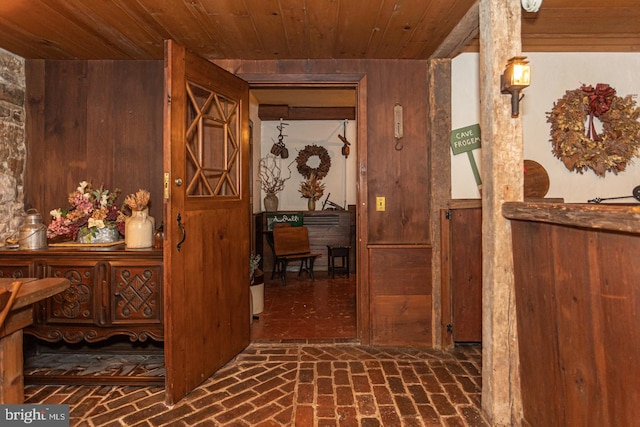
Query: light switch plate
x=380 y=203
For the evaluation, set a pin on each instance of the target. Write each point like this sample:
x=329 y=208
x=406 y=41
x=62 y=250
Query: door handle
x=184 y=231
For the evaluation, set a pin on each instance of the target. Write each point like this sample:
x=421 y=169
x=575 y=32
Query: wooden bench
x=292 y=244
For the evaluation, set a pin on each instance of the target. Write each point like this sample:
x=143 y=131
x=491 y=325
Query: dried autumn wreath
x=303 y=158
x=580 y=149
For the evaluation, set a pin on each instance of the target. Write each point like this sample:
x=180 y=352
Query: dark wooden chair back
x=290 y=240
x=281 y=224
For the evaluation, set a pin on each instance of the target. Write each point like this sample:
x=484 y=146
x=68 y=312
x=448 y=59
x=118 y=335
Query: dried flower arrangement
x=138 y=201
x=580 y=147
x=270 y=175
x=89 y=211
x=311 y=188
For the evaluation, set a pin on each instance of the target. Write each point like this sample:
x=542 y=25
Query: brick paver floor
x=303 y=385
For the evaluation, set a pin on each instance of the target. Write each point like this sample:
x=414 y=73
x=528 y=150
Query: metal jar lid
x=33 y=217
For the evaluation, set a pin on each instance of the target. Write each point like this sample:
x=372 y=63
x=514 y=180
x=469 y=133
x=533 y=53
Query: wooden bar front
x=577 y=279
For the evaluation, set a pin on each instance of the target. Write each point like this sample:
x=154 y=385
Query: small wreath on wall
x=579 y=146
x=303 y=158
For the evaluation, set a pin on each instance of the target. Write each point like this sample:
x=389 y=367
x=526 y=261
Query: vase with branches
x=271 y=180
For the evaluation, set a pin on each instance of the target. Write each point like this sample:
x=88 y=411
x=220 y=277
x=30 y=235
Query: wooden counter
x=577 y=287
x=604 y=217
x=20 y=316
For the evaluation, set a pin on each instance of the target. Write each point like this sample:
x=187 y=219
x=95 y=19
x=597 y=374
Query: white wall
x=465 y=111
x=552 y=74
x=341 y=179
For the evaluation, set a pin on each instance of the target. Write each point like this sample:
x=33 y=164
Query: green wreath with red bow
x=574 y=137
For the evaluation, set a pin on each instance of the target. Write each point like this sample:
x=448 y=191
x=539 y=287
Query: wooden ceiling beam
x=463 y=33
x=276 y=112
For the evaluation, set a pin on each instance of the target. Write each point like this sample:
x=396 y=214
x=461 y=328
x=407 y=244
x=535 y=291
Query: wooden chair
x=7 y=298
x=292 y=243
x=269 y=234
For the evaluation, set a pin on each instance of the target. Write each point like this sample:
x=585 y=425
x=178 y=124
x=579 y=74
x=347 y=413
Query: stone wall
x=12 y=143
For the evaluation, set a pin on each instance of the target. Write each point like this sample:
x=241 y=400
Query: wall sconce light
x=516 y=76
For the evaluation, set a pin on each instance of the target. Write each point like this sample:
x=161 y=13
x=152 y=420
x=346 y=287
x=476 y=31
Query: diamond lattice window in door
x=212 y=144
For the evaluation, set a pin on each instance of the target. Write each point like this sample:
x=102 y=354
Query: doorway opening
x=327 y=307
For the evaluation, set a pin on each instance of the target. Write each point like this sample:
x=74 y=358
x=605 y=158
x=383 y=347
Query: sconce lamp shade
x=516 y=76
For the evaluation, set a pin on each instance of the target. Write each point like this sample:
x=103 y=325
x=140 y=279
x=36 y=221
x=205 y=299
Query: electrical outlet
x=380 y=203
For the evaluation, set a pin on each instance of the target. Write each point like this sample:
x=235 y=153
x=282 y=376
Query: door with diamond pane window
x=206 y=248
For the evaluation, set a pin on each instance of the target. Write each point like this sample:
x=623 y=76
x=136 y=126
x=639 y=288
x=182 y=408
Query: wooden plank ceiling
x=294 y=29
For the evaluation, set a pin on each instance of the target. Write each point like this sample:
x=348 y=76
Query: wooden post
x=502 y=178
x=439 y=115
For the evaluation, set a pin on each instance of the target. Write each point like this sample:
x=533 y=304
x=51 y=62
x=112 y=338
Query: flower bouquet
x=91 y=213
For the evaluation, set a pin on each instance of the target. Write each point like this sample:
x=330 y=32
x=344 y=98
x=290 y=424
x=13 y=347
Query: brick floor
x=280 y=384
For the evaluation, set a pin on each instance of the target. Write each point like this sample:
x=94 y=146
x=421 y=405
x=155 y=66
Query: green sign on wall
x=293 y=218
x=465 y=140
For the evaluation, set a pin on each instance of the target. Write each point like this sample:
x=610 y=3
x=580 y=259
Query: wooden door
x=206 y=251
x=465 y=228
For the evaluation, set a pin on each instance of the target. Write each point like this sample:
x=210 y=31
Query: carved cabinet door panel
x=78 y=304
x=16 y=269
x=136 y=293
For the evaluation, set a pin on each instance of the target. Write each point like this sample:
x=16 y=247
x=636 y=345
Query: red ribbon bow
x=599 y=103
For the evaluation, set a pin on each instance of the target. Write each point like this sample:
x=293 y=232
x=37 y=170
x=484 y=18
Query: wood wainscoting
x=401 y=308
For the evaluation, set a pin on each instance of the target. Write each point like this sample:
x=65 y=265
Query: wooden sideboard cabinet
x=113 y=291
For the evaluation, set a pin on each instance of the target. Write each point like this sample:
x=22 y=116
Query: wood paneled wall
x=102 y=121
x=395 y=289
x=99 y=121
